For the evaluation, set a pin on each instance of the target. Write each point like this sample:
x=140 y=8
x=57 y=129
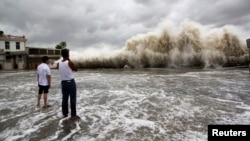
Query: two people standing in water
x=68 y=86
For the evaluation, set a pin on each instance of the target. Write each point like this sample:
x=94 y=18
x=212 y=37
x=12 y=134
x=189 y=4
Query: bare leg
x=45 y=100
x=38 y=99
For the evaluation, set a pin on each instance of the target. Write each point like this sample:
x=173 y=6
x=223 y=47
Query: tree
x=1 y=32
x=61 y=45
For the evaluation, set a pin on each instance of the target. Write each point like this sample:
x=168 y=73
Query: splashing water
x=155 y=104
x=189 y=46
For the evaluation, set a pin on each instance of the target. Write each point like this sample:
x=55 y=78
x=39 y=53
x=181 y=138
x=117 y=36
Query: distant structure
x=34 y=55
x=15 y=55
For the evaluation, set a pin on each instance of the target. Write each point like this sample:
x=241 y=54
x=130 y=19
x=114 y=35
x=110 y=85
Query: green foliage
x=1 y=32
x=61 y=45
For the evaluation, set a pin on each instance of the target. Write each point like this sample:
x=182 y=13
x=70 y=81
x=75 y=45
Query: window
x=7 y=45
x=20 y=58
x=8 y=57
x=18 y=45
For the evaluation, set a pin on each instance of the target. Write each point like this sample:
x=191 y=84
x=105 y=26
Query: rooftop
x=12 y=38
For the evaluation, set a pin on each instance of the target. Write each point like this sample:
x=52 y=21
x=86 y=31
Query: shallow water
x=127 y=105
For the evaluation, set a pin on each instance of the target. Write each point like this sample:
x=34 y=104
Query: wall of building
x=8 y=65
x=13 y=63
x=12 y=46
x=21 y=62
x=14 y=56
x=2 y=58
x=2 y=46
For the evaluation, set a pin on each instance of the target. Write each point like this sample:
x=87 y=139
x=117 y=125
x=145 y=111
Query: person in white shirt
x=68 y=85
x=44 y=81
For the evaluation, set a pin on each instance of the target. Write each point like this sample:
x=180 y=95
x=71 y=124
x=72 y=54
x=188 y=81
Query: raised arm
x=72 y=65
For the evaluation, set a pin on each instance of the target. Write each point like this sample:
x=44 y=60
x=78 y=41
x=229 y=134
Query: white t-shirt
x=65 y=71
x=43 y=71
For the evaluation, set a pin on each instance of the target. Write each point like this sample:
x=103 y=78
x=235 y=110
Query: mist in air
x=189 y=44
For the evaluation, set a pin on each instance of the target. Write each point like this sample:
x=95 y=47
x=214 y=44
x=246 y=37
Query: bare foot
x=46 y=106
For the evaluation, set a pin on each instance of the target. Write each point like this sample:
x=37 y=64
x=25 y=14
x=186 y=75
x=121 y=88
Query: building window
x=7 y=45
x=8 y=57
x=18 y=45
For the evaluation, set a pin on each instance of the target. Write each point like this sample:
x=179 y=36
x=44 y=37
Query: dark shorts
x=43 y=89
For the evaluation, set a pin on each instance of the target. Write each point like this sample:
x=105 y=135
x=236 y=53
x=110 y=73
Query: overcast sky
x=98 y=23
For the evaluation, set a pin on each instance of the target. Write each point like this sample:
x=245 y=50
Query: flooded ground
x=126 y=105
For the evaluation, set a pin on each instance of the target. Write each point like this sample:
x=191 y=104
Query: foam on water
x=144 y=104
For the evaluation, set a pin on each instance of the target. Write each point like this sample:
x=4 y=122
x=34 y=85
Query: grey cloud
x=92 y=22
x=216 y=12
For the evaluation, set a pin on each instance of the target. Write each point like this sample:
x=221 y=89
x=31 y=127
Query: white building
x=13 y=54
